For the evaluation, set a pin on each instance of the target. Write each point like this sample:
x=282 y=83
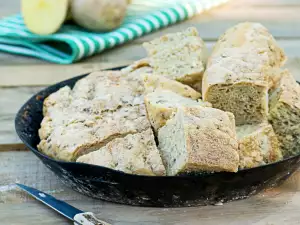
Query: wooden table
x=20 y=77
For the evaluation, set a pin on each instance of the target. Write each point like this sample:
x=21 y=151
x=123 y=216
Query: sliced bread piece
x=284 y=114
x=245 y=96
x=238 y=82
x=134 y=153
x=258 y=145
x=179 y=56
x=101 y=106
x=153 y=82
x=160 y=105
x=243 y=65
x=199 y=139
x=79 y=135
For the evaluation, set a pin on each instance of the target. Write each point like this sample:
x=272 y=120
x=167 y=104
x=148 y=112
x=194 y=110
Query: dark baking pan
x=173 y=191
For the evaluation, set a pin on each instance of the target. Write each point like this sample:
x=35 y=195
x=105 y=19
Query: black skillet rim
x=36 y=151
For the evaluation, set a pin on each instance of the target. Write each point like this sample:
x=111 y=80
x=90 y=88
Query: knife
x=77 y=216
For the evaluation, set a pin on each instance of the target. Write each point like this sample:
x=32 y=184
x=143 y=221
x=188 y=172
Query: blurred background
x=281 y=17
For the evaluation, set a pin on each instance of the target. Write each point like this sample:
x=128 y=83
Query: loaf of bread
x=242 y=67
x=179 y=56
x=101 y=107
x=284 y=114
x=134 y=153
x=160 y=105
x=258 y=145
x=199 y=139
x=153 y=82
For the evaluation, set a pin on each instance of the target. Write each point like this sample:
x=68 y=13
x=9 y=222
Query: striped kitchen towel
x=72 y=43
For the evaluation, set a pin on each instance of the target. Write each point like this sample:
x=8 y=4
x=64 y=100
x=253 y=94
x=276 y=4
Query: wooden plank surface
x=11 y=99
x=21 y=77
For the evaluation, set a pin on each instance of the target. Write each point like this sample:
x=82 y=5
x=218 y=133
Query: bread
x=199 y=139
x=153 y=82
x=134 y=73
x=160 y=105
x=58 y=100
x=179 y=56
x=246 y=98
x=141 y=73
x=109 y=117
x=73 y=116
x=89 y=116
x=98 y=92
x=106 y=90
x=134 y=153
x=284 y=114
x=68 y=141
x=242 y=67
x=258 y=145
x=256 y=38
x=139 y=64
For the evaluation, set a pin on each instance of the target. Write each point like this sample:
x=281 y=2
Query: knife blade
x=78 y=216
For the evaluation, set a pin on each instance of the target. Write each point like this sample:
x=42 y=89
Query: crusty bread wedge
x=76 y=134
x=284 y=113
x=160 y=105
x=258 y=145
x=178 y=56
x=199 y=139
x=102 y=106
x=242 y=67
x=134 y=153
x=153 y=82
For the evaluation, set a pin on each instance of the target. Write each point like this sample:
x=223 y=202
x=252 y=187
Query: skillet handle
x=88 y=218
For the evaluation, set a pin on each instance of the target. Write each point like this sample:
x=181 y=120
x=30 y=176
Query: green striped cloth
x=72 y=43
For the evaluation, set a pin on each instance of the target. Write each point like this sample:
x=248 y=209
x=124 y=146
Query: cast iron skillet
x=110 y=185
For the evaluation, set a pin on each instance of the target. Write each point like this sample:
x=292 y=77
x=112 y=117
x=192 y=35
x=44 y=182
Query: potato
x=99 y=15
x=44 y=16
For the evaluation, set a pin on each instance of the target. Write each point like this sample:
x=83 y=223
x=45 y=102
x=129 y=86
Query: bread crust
x=284 y=113
x=153 y=82
x=207 y=141
x=161 y=104
x=245 y=62
x=258 y=145
x=179 y=56
x=134 y=153
x=101 y=107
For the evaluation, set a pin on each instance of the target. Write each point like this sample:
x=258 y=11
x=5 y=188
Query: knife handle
x=88 y=218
